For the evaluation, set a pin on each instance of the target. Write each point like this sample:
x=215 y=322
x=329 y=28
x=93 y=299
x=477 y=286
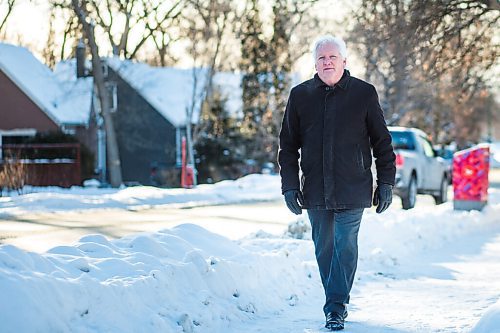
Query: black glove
x=382 y=197
x=291 y=198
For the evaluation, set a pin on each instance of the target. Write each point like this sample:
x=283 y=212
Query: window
x=429 y=152
x=403 y=140
x=14 y=137
x=113 y=96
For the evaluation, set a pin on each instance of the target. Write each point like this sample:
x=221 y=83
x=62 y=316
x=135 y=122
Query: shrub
x=12 y=176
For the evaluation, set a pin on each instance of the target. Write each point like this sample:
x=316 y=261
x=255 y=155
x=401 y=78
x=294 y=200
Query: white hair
x=329 y=39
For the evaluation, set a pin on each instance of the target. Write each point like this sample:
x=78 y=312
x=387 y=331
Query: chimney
x=80 y=60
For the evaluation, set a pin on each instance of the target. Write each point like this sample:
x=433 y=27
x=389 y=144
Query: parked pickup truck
x=418 y=169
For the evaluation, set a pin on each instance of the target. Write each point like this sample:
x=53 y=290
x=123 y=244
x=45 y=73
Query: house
x=150 y=115
x=33 y=100
x=149 y=109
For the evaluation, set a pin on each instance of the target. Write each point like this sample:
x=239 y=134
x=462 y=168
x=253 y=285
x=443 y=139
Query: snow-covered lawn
x=426 y=270
x=55 y=199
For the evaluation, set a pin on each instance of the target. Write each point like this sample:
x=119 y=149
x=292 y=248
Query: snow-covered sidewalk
x=426 y=270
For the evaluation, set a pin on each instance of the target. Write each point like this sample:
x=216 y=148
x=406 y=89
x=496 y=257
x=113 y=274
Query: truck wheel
x=410 y=198
x=442 y=196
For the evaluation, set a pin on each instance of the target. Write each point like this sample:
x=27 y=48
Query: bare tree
x=462 y=49
x=8 y=5
x=80 y=8
x=61 y=43
x=70 y=34
x=412 y=47
x=208 y=22
x=149 y=20
x=208 y=31
x=381 y=37
x=161 y=26
x=132 y=28
x=48 y=54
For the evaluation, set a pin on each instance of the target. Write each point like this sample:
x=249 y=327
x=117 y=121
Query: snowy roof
x=77 y=97
x=170 y=90
x=39 y=83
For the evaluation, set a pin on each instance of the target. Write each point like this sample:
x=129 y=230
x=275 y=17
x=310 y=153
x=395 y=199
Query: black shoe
x=335 y=321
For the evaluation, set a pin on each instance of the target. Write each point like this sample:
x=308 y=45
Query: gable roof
x=170 y=90
x=39 y=83
x=78 y=92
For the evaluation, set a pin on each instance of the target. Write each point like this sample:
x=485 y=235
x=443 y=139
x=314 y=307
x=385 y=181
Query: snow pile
x=54 y=199
x=185 y=279
x=490 y=322
x=398 y=233
x=386 y=239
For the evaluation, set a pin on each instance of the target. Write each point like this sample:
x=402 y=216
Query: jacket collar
x=344 y=80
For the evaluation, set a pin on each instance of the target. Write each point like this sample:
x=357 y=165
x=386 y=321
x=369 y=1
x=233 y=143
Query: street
x=41 y=231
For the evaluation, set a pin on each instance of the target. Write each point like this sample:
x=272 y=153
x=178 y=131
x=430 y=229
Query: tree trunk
x=113 y=156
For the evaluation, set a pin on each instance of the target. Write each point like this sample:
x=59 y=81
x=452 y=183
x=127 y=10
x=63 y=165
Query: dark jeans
x=335 y=237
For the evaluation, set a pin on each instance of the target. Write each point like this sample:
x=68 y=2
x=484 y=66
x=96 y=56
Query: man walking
x=331 y=123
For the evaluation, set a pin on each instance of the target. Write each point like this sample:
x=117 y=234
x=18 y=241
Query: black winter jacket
x=334 y=129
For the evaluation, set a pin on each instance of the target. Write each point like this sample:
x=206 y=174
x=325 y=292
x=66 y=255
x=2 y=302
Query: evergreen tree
x=256 y=83
x=266 y=63
x=281 y=67
x=218 y=155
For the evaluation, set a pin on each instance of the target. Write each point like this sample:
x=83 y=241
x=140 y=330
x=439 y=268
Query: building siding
x=17 y=110
x=145 y=138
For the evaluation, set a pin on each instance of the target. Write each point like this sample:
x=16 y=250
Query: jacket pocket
x=359 y=159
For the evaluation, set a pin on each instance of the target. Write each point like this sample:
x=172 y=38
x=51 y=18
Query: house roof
x=170 y=90
x=78 y=92
x=54 y=97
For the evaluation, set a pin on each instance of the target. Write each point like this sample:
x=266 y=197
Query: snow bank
x=187 y=279
x=55 y=199
x=386 y=238
x=182 y=279
x=490 y=322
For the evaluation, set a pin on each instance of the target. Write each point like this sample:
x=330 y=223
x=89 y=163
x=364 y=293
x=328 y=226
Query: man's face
x=329 y=64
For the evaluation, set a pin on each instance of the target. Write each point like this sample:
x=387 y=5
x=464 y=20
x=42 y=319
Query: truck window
x=427 y=147
x=402 y=140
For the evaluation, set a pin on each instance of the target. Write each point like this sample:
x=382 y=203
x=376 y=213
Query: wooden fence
x=45 y=164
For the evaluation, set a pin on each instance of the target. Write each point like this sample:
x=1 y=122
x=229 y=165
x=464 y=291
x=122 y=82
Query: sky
x=417 y=263
x=29 y=21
